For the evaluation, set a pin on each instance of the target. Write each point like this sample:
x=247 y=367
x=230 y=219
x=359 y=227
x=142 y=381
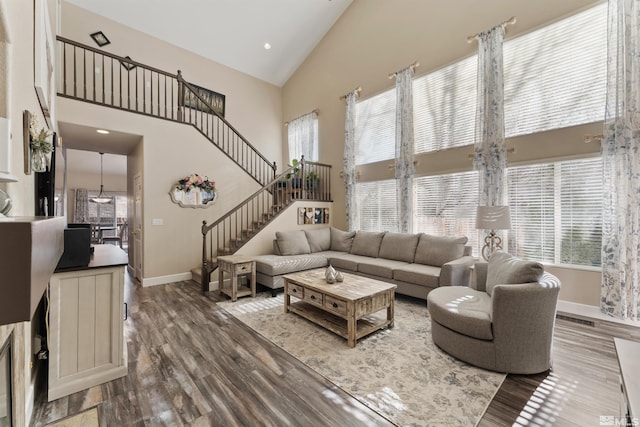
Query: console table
x=629 y=360
x=86 y=315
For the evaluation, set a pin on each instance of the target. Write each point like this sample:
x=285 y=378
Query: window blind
x=376 y=128
x=555 y=77
x=581 y=212
x=446 y=205
x=444 y=106
x=377 y=205
x=531 y=201
x=556 y=212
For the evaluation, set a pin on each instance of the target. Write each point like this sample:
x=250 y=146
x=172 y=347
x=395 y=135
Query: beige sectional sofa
x=416 y=263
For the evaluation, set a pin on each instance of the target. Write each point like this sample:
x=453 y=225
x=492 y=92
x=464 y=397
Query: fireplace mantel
x=29 y=252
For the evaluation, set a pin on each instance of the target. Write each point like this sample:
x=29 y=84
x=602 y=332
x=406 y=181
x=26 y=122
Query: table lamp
x=492 y=218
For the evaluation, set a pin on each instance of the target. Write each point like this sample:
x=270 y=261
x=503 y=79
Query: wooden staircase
x=91 y=75
x=236 y=243
x=228 y=234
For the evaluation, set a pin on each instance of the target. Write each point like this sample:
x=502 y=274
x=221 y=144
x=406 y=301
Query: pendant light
x=102 y=198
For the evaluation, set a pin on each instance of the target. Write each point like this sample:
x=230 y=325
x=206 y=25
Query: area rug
x=398 y=372
x=88 y=418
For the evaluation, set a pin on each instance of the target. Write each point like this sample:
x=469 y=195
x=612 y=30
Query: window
x=556 y=212
x=531 y=201
x=377 y=205
x=102 y=213
x=446 y=205
x=555 y=77
x=444 y=106
x=108 y=214
x=581 y=209
x=376 y=128
x=303 y=137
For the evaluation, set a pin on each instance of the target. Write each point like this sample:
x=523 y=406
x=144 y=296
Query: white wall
x=173 y=248
x=253 y=106
x=16 y=95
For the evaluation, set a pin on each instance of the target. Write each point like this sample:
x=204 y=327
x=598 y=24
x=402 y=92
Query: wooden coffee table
x=340 y=307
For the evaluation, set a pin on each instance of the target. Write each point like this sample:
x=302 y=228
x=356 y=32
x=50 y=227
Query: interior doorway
x=97 y=194
x=137 y=226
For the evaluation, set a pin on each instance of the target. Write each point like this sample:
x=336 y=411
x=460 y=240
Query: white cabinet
x=86 y=338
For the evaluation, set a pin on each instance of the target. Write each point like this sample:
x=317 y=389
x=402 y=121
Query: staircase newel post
x=274 y=188
x=303 y=184
x=204 y=273
x=180 y=96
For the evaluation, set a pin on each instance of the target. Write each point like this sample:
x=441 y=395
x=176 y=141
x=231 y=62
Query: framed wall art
x=215 y=99
x=313 y=216
x=44 y=62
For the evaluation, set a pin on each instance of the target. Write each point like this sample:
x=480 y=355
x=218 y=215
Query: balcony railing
x=99 y=77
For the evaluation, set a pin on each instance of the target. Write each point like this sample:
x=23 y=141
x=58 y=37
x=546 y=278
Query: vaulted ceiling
x=232 y=32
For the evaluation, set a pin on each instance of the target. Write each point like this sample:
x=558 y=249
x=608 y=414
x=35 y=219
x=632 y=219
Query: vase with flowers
x=40 y=143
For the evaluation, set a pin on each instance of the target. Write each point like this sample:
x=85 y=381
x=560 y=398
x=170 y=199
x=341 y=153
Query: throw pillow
x=439 y=250
x=319 y=239
x=367 y=243
x=399 y=246
x=505 y=269
x=341 y=240
x=292 y=242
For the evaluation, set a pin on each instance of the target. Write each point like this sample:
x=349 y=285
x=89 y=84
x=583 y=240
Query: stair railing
x=227 y=234
x=102 y=78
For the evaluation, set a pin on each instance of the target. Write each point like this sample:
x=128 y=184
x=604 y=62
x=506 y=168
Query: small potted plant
x=296 y=181
x=313 y=181
x=40 y=144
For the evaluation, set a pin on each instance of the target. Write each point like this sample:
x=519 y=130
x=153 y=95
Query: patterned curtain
x=349 y=169
x=81 y=209
x=303 y=137
x=620 y=291
x=490 y=156
x=404 y=166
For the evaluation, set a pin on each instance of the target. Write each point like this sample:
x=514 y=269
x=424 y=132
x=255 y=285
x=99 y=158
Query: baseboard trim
x=572 y=309
x=163 y=280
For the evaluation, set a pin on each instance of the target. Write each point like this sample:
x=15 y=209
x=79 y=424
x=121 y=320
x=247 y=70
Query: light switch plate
x=157 y=221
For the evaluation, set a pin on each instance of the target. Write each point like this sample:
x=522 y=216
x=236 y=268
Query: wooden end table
x=236 y=265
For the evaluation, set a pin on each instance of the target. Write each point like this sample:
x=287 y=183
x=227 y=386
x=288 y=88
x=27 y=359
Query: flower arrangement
x=40 y=138
x=195 y=181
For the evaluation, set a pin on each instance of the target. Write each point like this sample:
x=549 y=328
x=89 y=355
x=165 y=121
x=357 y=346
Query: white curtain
x=81 y=207
x=404 y=166
x=303 y=137
x=490 y=156
x=620 y=291
x=349 y=167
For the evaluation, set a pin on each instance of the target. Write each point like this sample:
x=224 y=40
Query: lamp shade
x=493 y=218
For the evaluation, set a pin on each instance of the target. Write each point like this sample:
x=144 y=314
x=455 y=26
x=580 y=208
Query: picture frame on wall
x=44 y=62
x=214 y=99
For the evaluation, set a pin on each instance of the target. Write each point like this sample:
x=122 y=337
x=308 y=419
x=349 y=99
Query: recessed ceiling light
x=267 y=46
x=102 y=131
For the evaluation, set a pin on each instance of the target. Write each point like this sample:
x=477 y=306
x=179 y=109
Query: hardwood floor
x=191 y=364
